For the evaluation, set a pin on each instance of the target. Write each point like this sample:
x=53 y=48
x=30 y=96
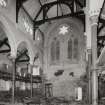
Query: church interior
x=52 y=52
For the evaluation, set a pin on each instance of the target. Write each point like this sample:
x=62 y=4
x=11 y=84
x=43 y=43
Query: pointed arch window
x=70 y=48
x=52 y=51
x=55 y=50
x=75 y=48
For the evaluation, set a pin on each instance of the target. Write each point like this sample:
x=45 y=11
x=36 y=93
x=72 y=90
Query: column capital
x=30 y=64
x=94 y=69
x=12 y=58
x=94 y=9
x=89 y=51
x=94 y=20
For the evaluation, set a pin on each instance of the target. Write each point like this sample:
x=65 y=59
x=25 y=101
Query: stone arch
x=11 y=38
x=74 y=22
x=29 y=46
x=22 y=47
x=15 y=37
x=79 y=33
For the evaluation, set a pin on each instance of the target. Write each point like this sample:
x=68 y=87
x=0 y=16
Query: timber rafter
x=100 y=27
x=44 y=8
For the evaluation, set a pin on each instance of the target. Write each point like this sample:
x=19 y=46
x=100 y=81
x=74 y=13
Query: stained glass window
x=57 y=50
x=53 y=51
x=70 y=48
x=75 y=50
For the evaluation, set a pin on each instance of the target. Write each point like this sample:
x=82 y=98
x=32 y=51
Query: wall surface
x=64 y=85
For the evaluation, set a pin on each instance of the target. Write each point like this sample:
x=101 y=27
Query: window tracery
x=68 y=43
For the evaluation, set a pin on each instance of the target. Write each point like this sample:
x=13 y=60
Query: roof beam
x=27 y=13
x=5 y=51
x=59 y=17
x=80 y=4
x=49 y=5
x=19 y=4
x=101 y=37
x=27 y=60
x=3 y=42
x=102 y=20
x=38 y=13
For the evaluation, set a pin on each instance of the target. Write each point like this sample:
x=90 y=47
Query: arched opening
x=64 y=43
x=75 y=48
x=73 y=52
x=5 y=67
x=70 y=48
x=22 y=81
x=55 y=50
x=52 y=51
x=26 y=81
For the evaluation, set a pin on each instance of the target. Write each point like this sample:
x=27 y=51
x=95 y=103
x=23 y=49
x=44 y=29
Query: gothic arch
x=30 y=47
x=55 y=50
x=70 y=44
x=74 y=22
x=4 y=22
x=75 y=31
x=23 y=51
x=15 y=37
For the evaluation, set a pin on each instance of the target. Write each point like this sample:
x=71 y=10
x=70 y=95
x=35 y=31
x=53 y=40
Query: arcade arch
x=16 y=41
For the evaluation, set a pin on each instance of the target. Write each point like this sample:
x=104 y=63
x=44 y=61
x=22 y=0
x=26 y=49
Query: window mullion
x=72 y=48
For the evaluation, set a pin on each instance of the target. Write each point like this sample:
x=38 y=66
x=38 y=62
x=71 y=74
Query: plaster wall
x=65 y=84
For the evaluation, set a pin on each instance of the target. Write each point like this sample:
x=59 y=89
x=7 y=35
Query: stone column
x=92 y=13
x=13 y=79
x=41 y=70
x=31 y=79
x=89 y=51
x=94 y=20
